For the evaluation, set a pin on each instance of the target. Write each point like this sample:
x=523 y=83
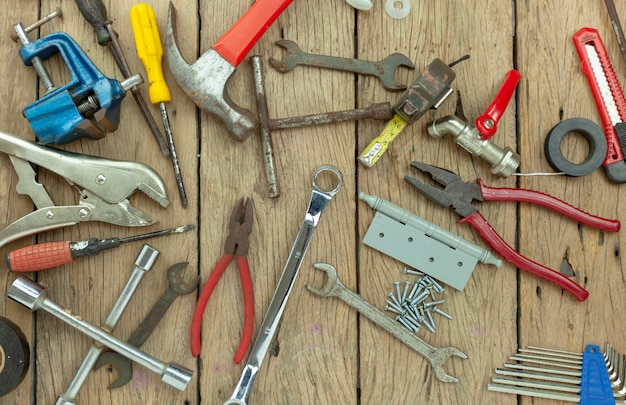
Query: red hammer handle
x=39 y=257
x=241 y=37
x=512 y=256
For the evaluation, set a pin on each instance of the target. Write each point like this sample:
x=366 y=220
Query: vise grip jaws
x=87 y=106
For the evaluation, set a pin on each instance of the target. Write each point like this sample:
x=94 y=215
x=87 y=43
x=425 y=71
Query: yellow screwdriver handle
x=150 y=51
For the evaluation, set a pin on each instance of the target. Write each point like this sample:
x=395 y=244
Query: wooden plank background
x=324 y=352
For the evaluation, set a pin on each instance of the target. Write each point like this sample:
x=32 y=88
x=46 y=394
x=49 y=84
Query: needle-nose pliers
x=236 y=246
x=459 y=195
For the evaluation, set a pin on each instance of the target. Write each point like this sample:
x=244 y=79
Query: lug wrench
x=34 y=296
x=436 y=356
x=383 y=70
x=177 y=286
x=143 y=263
x=318 y=202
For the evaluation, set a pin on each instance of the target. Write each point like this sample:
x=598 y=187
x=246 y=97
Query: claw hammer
x=205 y=80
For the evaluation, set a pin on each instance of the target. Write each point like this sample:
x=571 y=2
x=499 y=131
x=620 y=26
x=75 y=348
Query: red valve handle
x=548 y=201
x=487 y=124
x=591 y=37
x=241 y=37
x=512 y=256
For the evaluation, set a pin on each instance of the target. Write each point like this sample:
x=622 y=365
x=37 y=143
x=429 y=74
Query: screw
x=404 y=322
x=398 y=294
x=442 y=313
x=420 y=298
x=430 y=317
x=101 y=179
x=432 y=303
x=394 y=299
x=406 y=290
x=393 y=308
x=415 y=290
x=406 y=270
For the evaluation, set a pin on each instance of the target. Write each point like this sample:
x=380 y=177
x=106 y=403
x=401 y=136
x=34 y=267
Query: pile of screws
x=414 y=306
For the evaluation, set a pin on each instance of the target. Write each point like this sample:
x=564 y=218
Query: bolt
x=393 y=308
x=407 y=325
x=415 y=290
x=406 y=270
x=420 y=298
x=430 y=317
x=442 y=313
x=436 y=285
x=432 y=303
x=394 y=299
x=405 y=292
x=398 y=294
x=429 y=326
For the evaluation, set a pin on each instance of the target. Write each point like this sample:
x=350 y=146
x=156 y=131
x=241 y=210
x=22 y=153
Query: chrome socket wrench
x=34 y=296
x=143 y=263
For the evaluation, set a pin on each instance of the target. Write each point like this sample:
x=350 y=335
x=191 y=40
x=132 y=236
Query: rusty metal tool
x=437 y=357
x=384 y=70
x=235 y=247
x=266 y=131
x=609 y=98
x=430 y=89
x=320 y=198
x=96 y=14
x=34 y=297
x=150 y=52
x=591 y=377
x=459 y=196
x=143 y=263
x=53 y=254
x=205 y=80
x=376 y=111
x=178 y=286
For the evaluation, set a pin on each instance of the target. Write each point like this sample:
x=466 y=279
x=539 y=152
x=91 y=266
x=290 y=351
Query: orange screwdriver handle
x=39 y=257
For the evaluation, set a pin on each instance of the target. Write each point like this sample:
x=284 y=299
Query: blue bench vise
x=87 y=106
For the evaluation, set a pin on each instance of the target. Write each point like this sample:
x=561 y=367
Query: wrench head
x=205 y=81
x=291 y=58
x=178 y=284
x=331 y=280
x=439 y=358
x=388 y=67
x=122 y=366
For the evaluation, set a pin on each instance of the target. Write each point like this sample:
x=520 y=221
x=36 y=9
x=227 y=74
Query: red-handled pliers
x=459 y=195
x=236 y=246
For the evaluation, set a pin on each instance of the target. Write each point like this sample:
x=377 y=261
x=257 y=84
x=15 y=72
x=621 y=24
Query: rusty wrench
x=384 y=69
x=177 y=286
x=436 y=356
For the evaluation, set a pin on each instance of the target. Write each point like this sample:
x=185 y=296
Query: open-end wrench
x=436 y=356
x=177 y=286
x=318 y=202
x=384 y=69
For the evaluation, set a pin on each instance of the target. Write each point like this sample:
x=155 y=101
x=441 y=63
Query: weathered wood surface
x=324 y=352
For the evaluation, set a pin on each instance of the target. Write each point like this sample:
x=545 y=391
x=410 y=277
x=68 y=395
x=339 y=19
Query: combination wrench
x=177 y=286
x=318 y=202
x=436 y=356
x=384 y=69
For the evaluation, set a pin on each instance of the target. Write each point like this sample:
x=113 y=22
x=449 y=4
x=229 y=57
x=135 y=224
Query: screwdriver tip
x=184 y=228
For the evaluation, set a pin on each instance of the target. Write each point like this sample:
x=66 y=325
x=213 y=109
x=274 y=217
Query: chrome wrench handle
x=318 y=202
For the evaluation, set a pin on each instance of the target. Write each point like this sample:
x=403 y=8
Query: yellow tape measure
x=379 y=145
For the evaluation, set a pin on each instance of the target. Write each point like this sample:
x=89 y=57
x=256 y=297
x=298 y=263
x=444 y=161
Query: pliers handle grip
x=490 y=236
x=545 y=200
x=248 y=304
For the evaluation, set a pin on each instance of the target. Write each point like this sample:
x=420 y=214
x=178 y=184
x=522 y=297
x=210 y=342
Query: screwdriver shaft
x=173 y=155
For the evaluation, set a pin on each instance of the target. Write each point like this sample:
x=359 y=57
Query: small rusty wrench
x=177 y=286
x=318 y=202
x=436 y=356
x=384 y=69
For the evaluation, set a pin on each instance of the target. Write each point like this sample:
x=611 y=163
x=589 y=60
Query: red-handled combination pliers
x=236 y=246
x=459 y=195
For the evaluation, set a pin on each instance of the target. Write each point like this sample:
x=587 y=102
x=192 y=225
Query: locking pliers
x=105 y=186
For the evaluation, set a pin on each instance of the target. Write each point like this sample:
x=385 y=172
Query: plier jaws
x=455 y=193
x=235 y=247
x=458 y=194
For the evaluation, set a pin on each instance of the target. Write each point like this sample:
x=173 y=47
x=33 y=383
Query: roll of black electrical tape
x=14 y=356
x=594 y=136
